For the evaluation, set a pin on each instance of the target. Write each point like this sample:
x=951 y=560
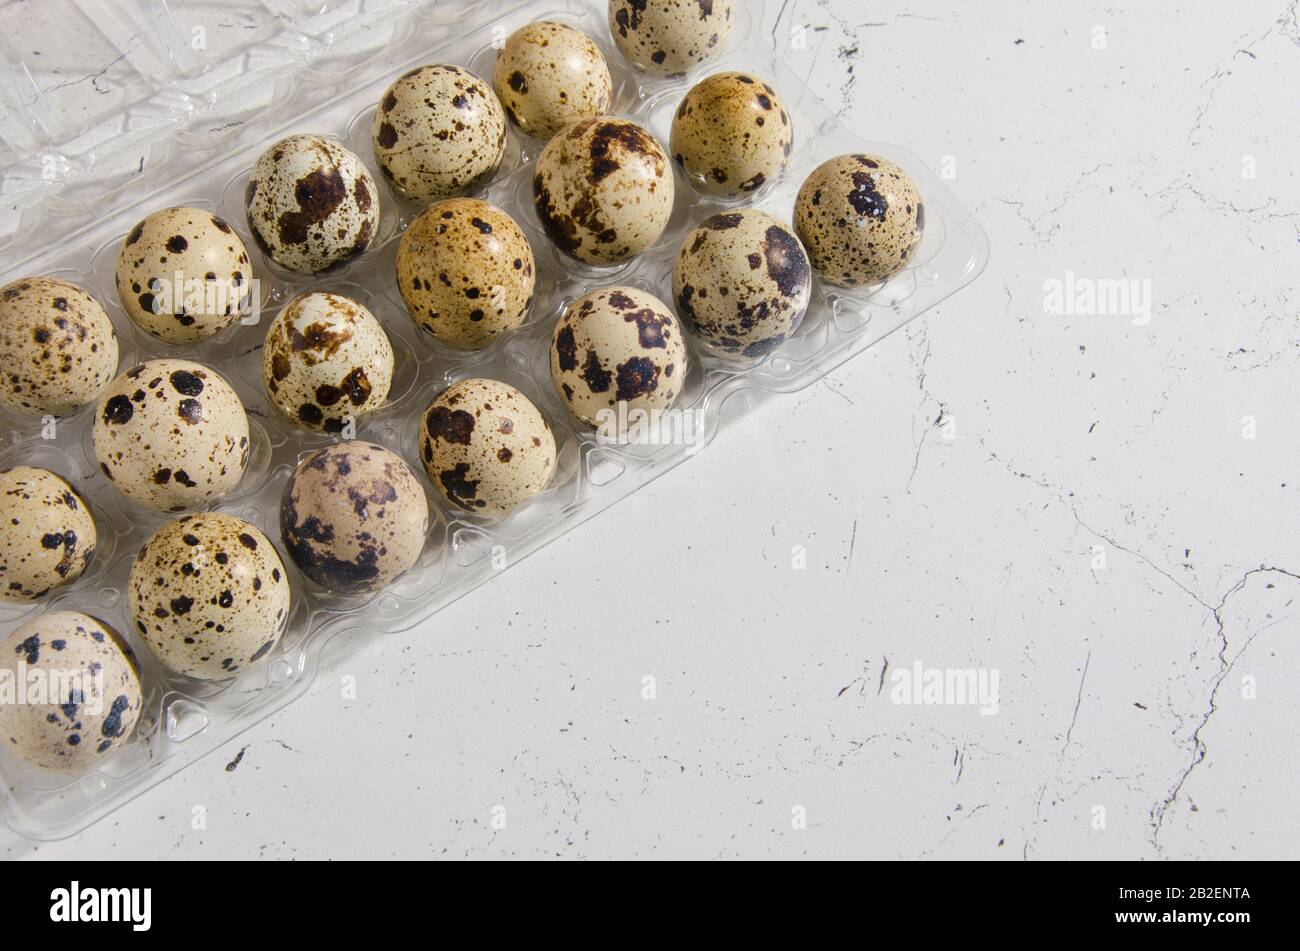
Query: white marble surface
x=1069 y=500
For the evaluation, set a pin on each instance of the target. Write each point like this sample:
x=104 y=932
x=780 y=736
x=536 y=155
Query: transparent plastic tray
x=320 y=83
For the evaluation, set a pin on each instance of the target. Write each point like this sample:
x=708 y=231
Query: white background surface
x=954 y=490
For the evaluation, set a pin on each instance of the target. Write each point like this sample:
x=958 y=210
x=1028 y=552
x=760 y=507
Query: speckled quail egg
x=183 y=275
x=311 y=204
x=327 y=361
x=47 y=533
x=861 y=218
x=171 y=435
x=603 y=190
x=439 y=132
x=353 y=517
x=89 y=691
x=486 y=447
x=731 y=134
x=617 y=345
x=742 y=283
x=57 y=345
x=466 y=272
x=209 y=595
x=548 y=75
x=670 y=37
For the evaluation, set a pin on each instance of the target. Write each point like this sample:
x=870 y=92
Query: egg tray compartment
x=183 y=719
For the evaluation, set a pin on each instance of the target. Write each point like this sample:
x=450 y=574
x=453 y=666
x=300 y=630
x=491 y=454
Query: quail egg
x=603 y=190
x=439 y=131
x=89 y=691
x=47 y=533
x=466 y=272
x=353 y=517
x=486 y=447
x=327 y=361
x=861 y=218
x=617 y=345
x=548 y=75
x=209 y=595
x=311 y=204
x=731 y=134
x=57 y=345
x=670 y=37
x=171 y=435
x=742 y=283
x=183 y=275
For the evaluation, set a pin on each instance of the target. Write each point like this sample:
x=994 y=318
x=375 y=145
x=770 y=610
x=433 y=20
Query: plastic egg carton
x=322 y=85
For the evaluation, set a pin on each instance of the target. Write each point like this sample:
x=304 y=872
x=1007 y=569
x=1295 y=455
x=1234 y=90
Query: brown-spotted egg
x=171 y=435
x=742 y=283
x=95 y=681
x=209 y=595
x=183 y=275
x=311 y=204
x=466 y=272
x=731 y=134
x=439 y=131
x=57 y=345
x=548 y=75
x=486 y=448
x=670 y=37
x=47 y=533
x=861 y=218
x=326 y=361
x=603 y=190
x=617 y=345
x=354 y=517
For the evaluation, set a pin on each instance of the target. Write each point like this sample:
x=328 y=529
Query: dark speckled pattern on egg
x=209 y=595
x=82 y=729
x=57 y=346
x=354 y=517
x=603 y=190
x=731 y=134
x=861 y=218
x=466 y=272
x=486 y=447
x=311 y=204
x=670 y=37
x=742 y=283
x=439 y=131
x=47 y=533
x=326 y=362
x=183 y=275
x=617 y=345
x=171 y=434
x=548 y=75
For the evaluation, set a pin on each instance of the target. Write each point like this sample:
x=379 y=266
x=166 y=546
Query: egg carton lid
x=99 y=95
